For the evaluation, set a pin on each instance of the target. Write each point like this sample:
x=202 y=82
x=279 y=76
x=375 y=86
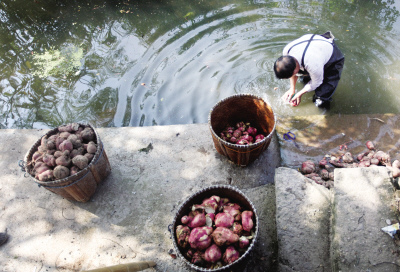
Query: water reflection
x=123 y=63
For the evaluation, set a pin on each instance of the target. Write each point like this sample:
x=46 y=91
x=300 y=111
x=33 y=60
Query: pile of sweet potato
x=241 y=134
x=323 y=172
x=215 y=233
x=64 y=153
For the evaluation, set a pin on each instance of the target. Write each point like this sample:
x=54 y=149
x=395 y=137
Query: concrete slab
x=362 y=204
x=154 y=169
x=303 y=211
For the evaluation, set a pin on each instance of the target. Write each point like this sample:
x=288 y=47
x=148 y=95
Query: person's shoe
x=3 y=237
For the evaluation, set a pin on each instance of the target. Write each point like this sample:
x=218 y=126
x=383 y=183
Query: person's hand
x=288 y=95
x=295 y=101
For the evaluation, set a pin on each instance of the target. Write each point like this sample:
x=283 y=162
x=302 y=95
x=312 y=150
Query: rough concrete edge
x=285 y=268
x=334 y=247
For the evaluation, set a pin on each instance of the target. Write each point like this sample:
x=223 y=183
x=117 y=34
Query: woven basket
x=81 y=186
x=246 y=108
x=224 y=191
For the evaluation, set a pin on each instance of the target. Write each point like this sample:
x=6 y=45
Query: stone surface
x=362 y=201
x=303 y=211
x=154 y=169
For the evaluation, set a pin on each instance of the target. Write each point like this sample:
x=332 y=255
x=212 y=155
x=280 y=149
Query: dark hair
x=284 y=66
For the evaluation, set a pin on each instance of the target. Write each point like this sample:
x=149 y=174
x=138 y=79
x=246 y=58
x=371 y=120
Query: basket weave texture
x=81 y=186
x=242 y=108
x=223 y=191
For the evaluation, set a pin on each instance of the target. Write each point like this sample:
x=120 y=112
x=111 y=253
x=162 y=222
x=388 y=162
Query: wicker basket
x=237 y=108
x=224 y=191
x=81 y=186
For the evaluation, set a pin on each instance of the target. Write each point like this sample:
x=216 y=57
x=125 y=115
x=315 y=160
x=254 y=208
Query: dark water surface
x=143 y=63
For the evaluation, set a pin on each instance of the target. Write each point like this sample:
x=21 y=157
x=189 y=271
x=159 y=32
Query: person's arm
x=288 y=95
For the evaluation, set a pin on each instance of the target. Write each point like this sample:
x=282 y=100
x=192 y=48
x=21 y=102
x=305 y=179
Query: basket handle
x=22 y=165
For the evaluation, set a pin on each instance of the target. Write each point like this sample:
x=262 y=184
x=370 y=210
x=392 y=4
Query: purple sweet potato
x=65 y=135
x=42 y=168
x=182 y=235
x=36 y=156
x=91 y=147
x=230 y=255
x=49 y=160
x=69 y=127
x=186 y=219
x=200 y=238
x=337 y=163
x=45 y=176
x=60 y=172
x=395 y=171
x=64 y=161
x=88 y=134
x=199 y=220
x=58 y=142
x=244 y=242
x=210 y=204
x=347 y=158
x=237 y=228
x=224 y=220
x=307 y=167
x=213 y=254
x=234 y=210
x=51 y=144
x=222 y=203
x=223 y=236
x=322 y=163
x=324 y=174
x=89 y=157
x=76 y=143
x=76 y=152
x=197 y=258
x=66 y=145
x=247 y=220
x=74 y=169
x=370 y=145
x=80 y=161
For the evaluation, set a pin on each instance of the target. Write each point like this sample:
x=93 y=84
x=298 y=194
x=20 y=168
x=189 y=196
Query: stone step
x=362 y=204
x=303 y=211
x=336 y=230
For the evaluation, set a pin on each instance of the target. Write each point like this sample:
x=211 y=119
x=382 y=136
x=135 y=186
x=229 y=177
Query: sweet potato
x=247 y=220
x=210 y=204
x=88 y=134
x=49 y=160
x=244 y=242
x=224 y=220
x=307 y=167
x=370 y=145
x=45 y=176
x=76 y=152
x=91 y=147
x=64 y=161
x=89 y=157
x=199 y=220
x=60 y=172
x=200 y=238
x=74 y=169
x=66 y=145
x=212 y=254
x=76 y=143
x=223 y=236
x=80 y=161
x=230 y=255
x=234 y=210
x=237 y=228
x=182 y=235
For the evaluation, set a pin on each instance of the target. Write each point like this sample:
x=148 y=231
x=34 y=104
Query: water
x=115 y=63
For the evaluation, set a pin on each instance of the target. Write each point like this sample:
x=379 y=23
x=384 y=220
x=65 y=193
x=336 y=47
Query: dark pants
x=332 y=72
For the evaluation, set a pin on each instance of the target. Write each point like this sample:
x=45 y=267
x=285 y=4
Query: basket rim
x=82 y=172
x=241 y=147
x=243 y=256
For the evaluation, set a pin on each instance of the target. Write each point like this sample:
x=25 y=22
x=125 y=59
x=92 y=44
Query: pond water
x=144 y=63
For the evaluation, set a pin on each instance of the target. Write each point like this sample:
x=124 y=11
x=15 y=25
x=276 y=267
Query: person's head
x=285 y=66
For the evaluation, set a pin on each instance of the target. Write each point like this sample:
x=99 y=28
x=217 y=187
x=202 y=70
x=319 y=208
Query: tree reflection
x=67 y=93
